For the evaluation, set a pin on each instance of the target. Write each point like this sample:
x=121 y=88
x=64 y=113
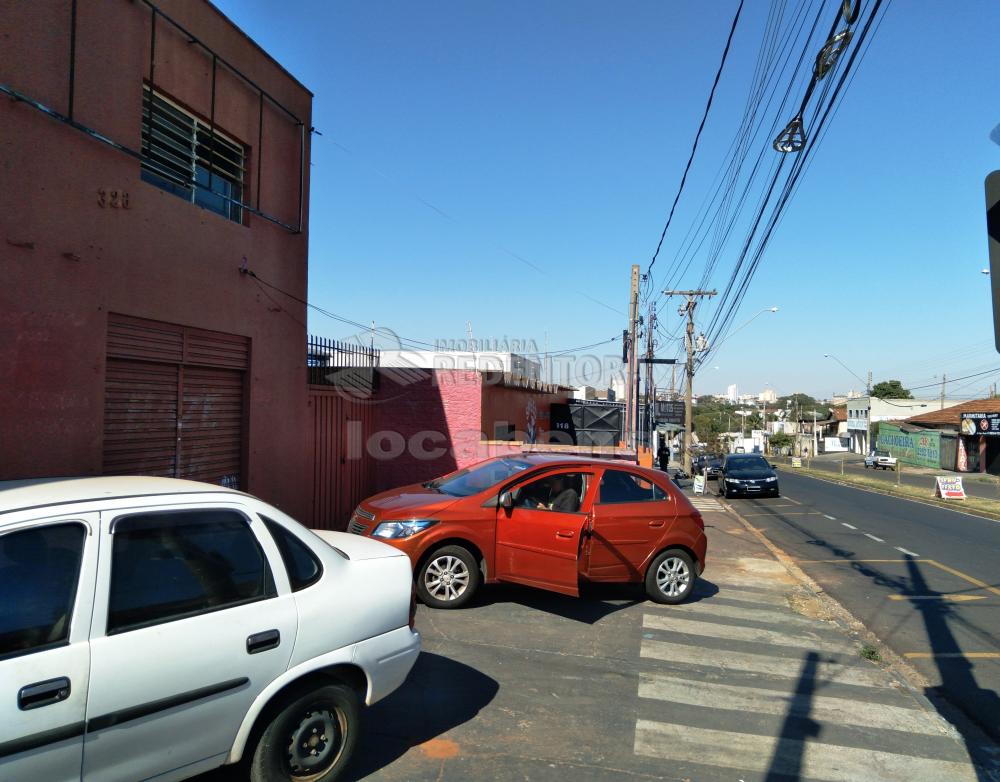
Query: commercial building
x=863 y=411
x=964 y=437
x=152 y=161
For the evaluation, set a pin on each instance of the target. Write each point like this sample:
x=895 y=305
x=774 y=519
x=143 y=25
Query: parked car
x=544 y=521
x=748 y=475
x=151 y=627
x=712 y=467
x=880 y=459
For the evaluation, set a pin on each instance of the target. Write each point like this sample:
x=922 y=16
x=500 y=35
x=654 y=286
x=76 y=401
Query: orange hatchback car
x=544 y=521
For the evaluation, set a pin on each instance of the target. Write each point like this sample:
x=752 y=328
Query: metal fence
x=334 y=363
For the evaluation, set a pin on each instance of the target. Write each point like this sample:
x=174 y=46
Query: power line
x=694 y=146
x=334 y=316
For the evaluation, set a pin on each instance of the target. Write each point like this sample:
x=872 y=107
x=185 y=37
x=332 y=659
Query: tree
x=891 y=389
x=780 y=440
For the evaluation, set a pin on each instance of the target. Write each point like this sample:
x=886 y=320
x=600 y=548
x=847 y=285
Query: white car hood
x=357 y=547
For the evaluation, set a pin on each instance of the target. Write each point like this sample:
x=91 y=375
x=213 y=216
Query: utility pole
x=633 y=364
x=688 y=308
x=650 y=388
x=868 y=388
x=944 y=379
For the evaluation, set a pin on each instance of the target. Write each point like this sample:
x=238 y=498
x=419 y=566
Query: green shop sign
x=922 y=449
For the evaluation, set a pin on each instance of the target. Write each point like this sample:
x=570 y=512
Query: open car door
x=539 y=535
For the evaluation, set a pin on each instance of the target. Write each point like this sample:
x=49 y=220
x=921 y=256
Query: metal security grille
x=190 y=158
x=174 y=402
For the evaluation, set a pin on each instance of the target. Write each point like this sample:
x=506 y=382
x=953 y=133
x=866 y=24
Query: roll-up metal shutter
x=174 y=401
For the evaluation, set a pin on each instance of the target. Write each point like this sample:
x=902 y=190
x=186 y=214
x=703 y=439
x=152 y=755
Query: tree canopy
x=891 y=389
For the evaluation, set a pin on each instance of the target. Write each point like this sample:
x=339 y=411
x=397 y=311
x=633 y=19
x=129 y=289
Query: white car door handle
x=34 y=696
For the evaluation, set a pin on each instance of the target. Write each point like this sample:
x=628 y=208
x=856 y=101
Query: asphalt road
x=975 y=486
x=924 y=579
x=750 y=680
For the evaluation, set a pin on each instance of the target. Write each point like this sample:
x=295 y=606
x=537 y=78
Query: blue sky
x=460 y=133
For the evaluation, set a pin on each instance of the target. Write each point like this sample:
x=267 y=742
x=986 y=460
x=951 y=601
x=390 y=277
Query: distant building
x=767 y=395
x=462 y=360
x=732 y=393
x=863 y=411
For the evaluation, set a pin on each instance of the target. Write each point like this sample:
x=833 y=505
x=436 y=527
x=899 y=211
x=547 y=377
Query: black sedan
x=747 y=475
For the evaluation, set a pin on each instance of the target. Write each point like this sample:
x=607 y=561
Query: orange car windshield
x=482 y=476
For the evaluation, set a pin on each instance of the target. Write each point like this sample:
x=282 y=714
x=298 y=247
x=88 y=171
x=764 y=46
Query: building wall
x=68 y=262
x=528 y=411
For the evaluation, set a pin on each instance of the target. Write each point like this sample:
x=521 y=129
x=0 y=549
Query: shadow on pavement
x=596 y=601
x=439 y=695
x=957 y=677
x=798 y=726
x=958 y=683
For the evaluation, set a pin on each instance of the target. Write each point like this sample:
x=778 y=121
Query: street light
x=740 y=328
x=868 y=389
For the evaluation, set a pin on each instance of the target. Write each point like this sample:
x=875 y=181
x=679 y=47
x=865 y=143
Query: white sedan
x=151 y=627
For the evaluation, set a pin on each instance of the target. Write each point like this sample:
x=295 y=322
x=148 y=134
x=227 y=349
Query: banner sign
x=922 y=449
x=699 y=484
x=949 y=488
x=981 y=423
x=669 y=411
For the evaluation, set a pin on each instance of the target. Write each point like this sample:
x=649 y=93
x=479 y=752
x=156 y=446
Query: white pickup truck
x=880 y=458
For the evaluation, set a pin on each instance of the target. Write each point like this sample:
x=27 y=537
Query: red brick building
x=430 y=422
x=148 y=153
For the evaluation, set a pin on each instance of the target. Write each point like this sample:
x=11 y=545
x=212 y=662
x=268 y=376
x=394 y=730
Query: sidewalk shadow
x=798 y=727
x=958 y=681
x=439 y=695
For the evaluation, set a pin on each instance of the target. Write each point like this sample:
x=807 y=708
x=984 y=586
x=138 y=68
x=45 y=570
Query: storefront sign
x=859 y=424
x=981 y=423
x=922 y=449
x=699 y=484
x=949 y=488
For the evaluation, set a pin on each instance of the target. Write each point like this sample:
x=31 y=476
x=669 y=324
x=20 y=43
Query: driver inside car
x=562 y=497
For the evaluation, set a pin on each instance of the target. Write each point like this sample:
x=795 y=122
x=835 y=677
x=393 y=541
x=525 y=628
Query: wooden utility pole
x=944 y=379
x=633 y=364
x=688 y=308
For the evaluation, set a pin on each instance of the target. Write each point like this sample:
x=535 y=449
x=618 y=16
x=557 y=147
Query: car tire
x=321 y=725
x=671 y=577
x=448 y=578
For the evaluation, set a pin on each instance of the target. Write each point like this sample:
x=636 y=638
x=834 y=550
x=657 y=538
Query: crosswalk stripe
x=764 y=664
x=772 y=599
x=766 y=583
x=755 y=700
x=674 y=624
x=747 y=752
x=712 y=608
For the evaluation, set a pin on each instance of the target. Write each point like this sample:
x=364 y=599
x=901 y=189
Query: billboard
x=922 y=449
x=669 y=412
x=981 y=423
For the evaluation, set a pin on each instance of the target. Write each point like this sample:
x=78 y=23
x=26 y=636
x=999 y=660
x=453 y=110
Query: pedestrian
x=663 y=457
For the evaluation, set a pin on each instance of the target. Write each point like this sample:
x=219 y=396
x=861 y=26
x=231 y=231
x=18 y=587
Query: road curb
x=929 y=502
x=904 y=672
x=892 y=661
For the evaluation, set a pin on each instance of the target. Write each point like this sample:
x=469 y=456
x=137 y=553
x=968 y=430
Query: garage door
x=174 y=401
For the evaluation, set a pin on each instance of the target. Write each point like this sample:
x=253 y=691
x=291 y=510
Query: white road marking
x=831 y=518
x=770 y=598
x=764 y=664
x=671 y=624
x=906 y=551
x=877 y=540
x=849 y=526
x=710 y=608
x=755 y=700
x=757 y=754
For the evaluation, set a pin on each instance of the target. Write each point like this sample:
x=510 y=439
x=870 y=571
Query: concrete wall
x=67 y=262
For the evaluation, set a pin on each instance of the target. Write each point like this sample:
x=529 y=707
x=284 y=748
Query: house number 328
x=113 y=199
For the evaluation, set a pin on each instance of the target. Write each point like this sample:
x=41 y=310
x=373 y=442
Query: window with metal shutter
x=174 y=401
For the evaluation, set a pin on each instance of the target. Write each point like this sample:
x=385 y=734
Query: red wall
x=67 y=262
x=430 y=422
